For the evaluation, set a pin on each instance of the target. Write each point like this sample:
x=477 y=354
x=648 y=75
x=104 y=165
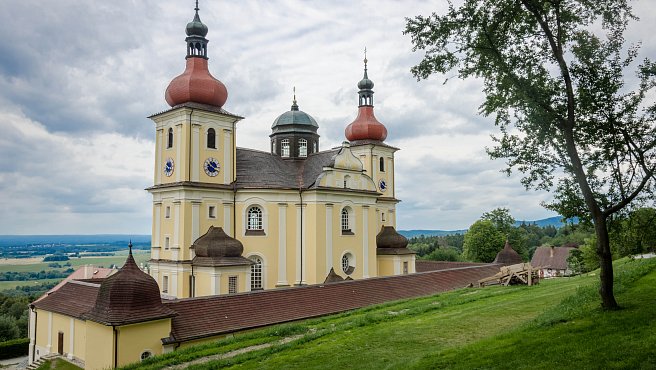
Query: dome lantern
x=366 y=126
x=196 y=84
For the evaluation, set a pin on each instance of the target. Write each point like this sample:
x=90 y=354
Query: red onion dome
x=366 y=126
x=196 y=85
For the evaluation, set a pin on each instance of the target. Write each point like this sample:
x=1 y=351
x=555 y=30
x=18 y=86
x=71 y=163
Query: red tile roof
x=543 y=258
x=216 y=315
x=75 y=298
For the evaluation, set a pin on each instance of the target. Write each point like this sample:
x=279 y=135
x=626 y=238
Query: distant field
x=5 y=285
x=10 y=264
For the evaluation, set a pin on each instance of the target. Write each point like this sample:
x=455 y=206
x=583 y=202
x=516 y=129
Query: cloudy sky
x=78 y=79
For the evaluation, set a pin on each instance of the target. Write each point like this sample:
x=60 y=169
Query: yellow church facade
x=298 y=211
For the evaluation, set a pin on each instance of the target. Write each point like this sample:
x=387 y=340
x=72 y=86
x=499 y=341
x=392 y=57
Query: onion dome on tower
x=127 y=297
x=216 y=248
x=196 y=84
x=389 y=241
x=294 y=133
x=366 y=126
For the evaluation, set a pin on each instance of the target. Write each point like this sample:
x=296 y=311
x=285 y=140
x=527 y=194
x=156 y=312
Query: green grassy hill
x=557 y=324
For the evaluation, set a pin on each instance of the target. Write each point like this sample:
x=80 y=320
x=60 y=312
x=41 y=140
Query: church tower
x=194 y=166
x=366 y=135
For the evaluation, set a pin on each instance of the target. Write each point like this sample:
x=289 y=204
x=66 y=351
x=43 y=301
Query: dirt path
x=233 y=353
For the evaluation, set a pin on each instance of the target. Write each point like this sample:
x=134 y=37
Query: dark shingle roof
x=129 y=296
x=216 y=315
x=333 y=277
x=542 y=257
x=73 y=299
x=508 y=256
x=216 y=248
x=425 y=266
x=258 y=169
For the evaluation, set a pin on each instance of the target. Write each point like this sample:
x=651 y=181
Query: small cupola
x=294 y=133
x=389 y=241
x=366 y=126
x=129 y=296
x=216 y=248
x=196 y=84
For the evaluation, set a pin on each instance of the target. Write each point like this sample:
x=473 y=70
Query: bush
x=14 y=348
x=55 y=257
x=8 y=328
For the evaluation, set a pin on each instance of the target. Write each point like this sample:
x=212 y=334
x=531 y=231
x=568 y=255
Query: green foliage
x=501 y=219
x=55 y=257
x=8 y=328
x=575 y=261
x=14 y=348
x=637 y=233
x=437 y=247
x=482 y=242
x=444 y=254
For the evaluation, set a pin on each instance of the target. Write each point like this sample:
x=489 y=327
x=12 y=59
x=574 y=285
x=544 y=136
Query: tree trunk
x=605 y=263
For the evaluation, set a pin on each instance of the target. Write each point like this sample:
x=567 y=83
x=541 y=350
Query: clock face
x=382 y=185
x=211 y=167
x=168 y=167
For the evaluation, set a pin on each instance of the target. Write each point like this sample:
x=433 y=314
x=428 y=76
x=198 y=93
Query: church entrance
x=60 y=343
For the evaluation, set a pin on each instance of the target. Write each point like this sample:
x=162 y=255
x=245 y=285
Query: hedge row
x=14 y=348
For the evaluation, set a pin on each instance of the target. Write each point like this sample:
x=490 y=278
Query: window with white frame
x=232 y=284
x=346 y=220
x=347 y=263
x=167 y=242
x=254 y=219
x=284 y=146
x=145 y=355
x=256 y=273
x=211 y=211
x=302 y=148
x=382 y=164
x=167 y=212
x=169 y=143
x=165 y=284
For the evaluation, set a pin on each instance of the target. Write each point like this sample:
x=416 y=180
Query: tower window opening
x=405 y=267
x=165 y=284
x=254 y=221
x=273 y=146
x=285 y=147
x=232 y=284
x=211 y=138
x=315 y=147
x=256 y=274
x=167 y=242
x=170 y=139
x=167 y=212
x=382 y=164
x=346 y=181
x=302 y=148
x=211 y=212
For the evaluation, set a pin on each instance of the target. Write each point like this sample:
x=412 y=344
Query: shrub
x=14 y=348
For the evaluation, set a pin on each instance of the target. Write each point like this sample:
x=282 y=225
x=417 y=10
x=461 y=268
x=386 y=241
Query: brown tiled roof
x=390 y=242
x=508 y=256
x=129 y=296
x=216 y=248
x=542 y=258
x=75 y=298
x=258 y=169
x=216 y=315
x=425 y=266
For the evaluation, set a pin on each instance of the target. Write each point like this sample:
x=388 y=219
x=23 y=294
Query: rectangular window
x=165 y=284
x=232 y=284
x=167 y=212
x=211 y=212
x=167 y=242
x=192 y=286
x=382 y=216
x=405 y=268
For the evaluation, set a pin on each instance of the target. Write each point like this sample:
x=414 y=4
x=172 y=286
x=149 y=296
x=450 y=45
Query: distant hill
x=551 y=221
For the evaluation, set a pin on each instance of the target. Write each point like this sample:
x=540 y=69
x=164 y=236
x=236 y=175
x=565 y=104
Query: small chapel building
x=298 y=210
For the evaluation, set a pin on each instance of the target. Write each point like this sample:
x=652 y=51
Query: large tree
x=554 y=78
x=482 y=242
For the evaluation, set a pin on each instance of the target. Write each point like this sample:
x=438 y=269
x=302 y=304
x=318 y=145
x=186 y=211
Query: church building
x=297 y=211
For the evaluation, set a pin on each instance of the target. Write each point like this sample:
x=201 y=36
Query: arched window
x=346 y=181
x=314 y=145
x=284 y=143
x=382 y=164
x=346 y=221
x=347 y=263
x=256 y=273
x=211 y=138
x=254 y=221
x=170 y=139
x=302 y=148
x=273 y=146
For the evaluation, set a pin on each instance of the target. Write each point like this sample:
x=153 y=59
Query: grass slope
x=556 y=324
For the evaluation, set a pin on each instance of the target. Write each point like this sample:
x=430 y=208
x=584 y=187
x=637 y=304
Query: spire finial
x=365 y=57
x=196 y=8
x=130 y=247
x=294 y=104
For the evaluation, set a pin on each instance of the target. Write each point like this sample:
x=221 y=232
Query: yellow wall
x=100 y=346
x=134 y=339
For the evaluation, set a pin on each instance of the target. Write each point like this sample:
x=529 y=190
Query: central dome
x=294 y=120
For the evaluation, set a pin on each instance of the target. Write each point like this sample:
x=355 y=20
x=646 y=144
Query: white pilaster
x=158 y=224
x=176 y=224
x=71 y=339
x=215 y=283
x=174 y=284
x=195 y=148
x=300 y=244
x=282 y=244
x=158 y=156
x=178 y=148
x=329 y=237
x=227 y=155
x=32 y=333
x=49 y=346
x=365 y=241
x=227 y=219
x=195 y=221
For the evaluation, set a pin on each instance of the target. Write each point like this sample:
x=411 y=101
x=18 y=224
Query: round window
x=347 y=263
